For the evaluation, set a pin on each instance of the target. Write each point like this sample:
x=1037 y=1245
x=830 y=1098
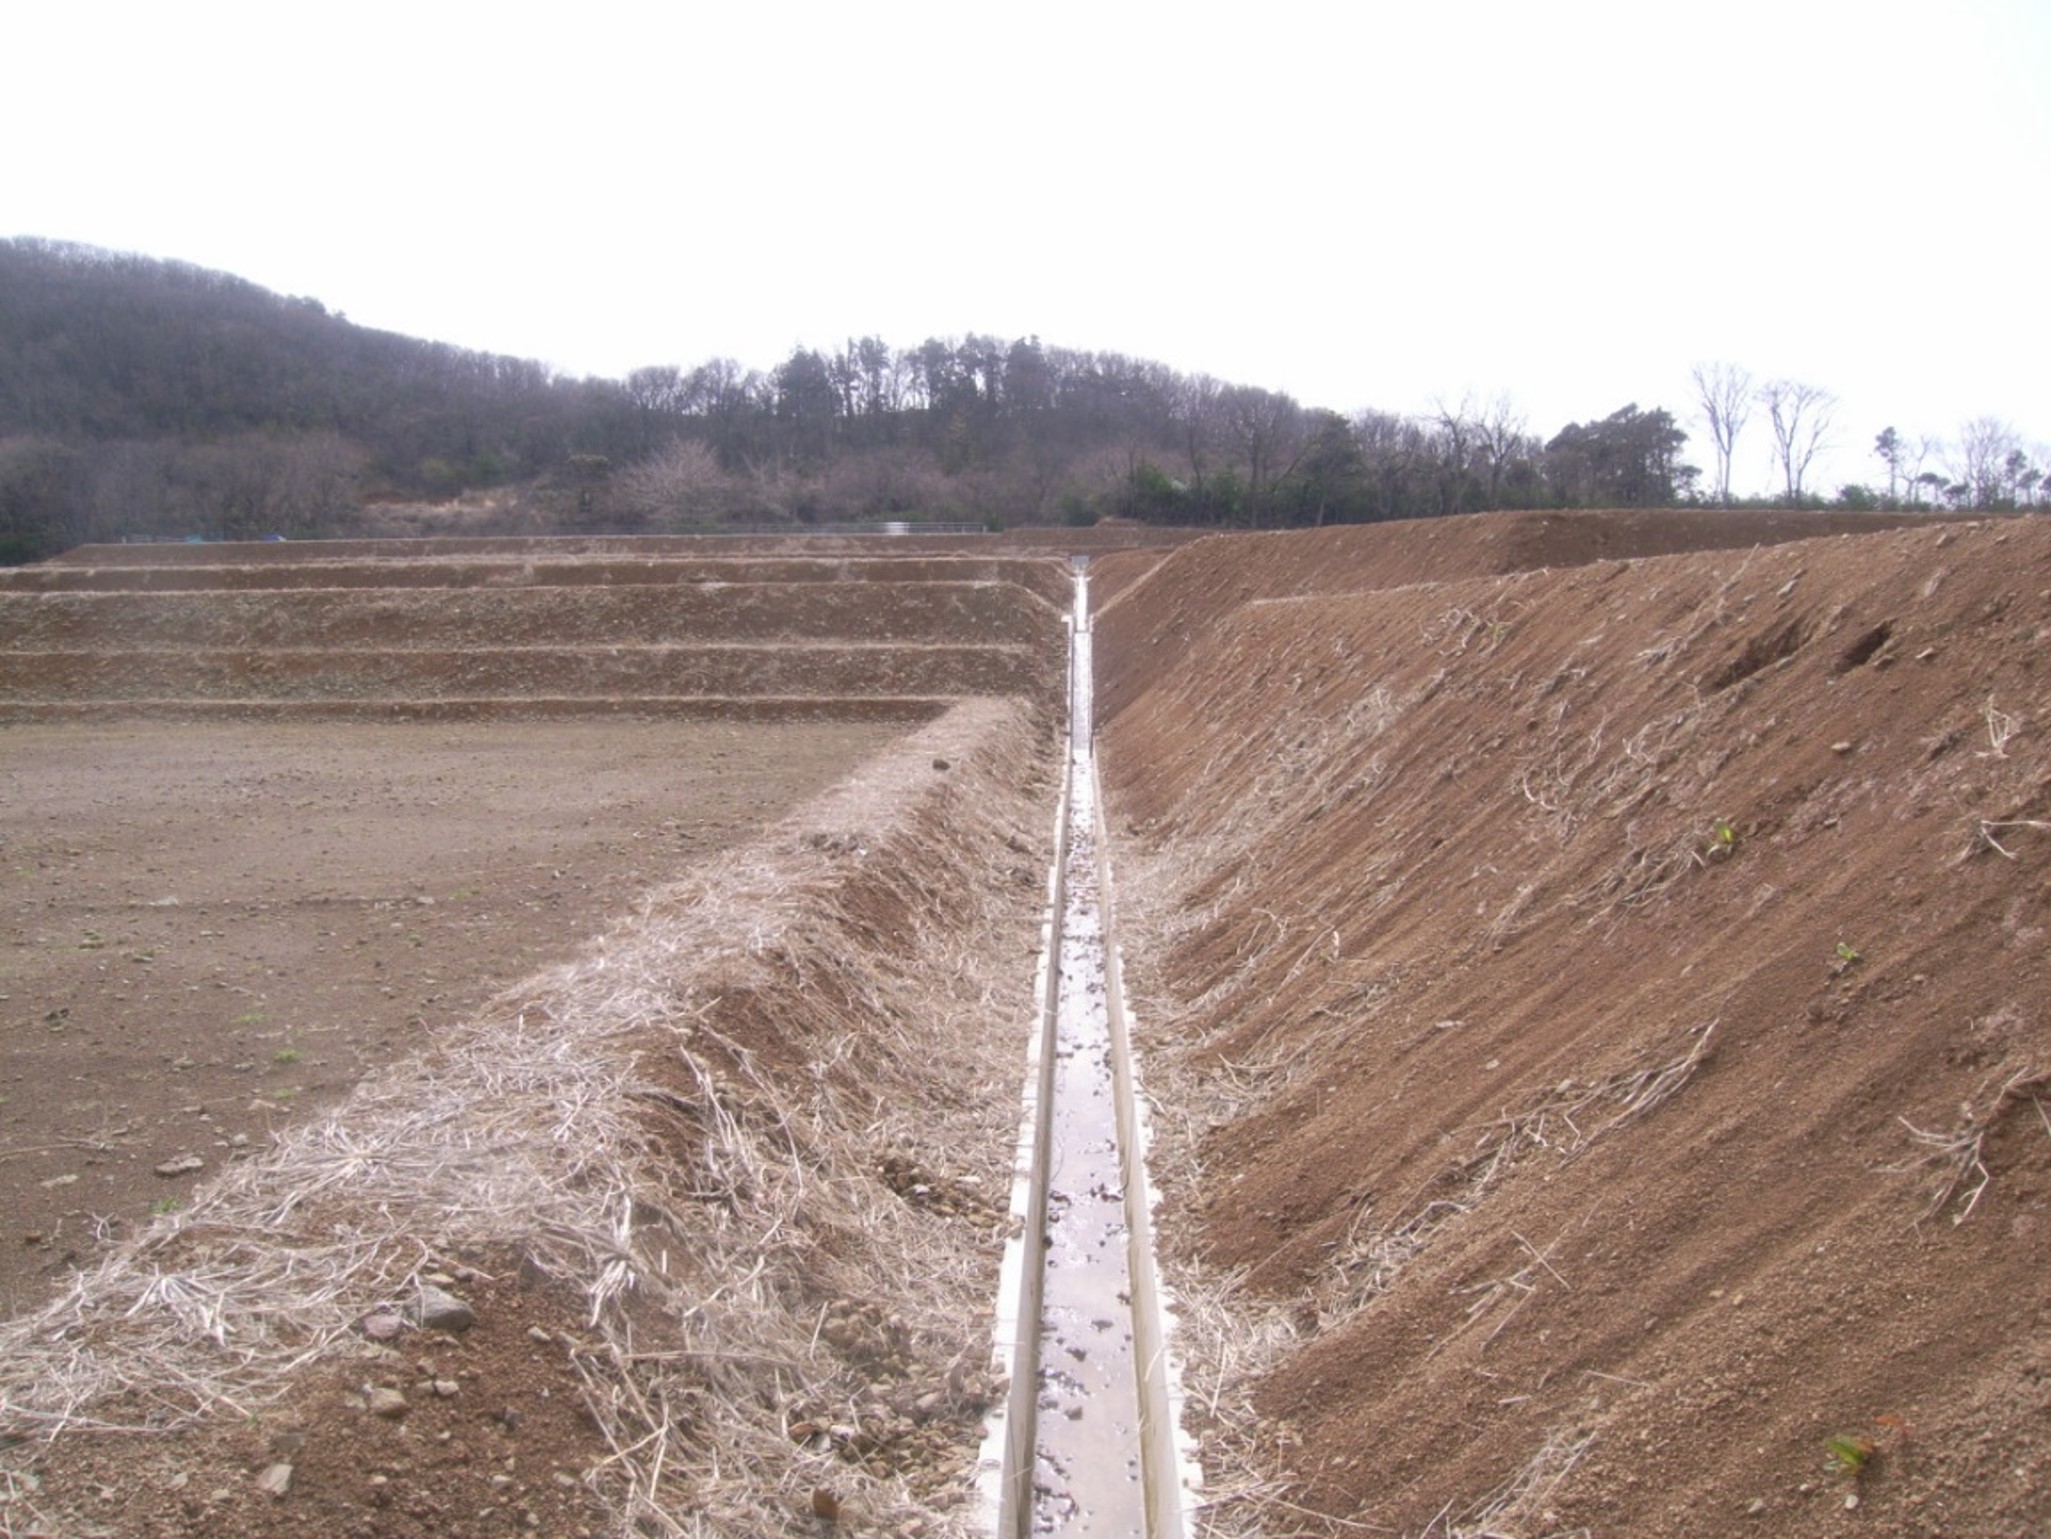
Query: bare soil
x=1602 y=1022
x=1592 y=977
x=213 y=932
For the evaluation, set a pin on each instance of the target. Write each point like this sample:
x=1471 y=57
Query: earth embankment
x=1601 y=1020
x=482 y=951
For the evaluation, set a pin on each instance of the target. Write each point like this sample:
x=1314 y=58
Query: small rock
x=448 y=1389
x=436 y=1309
x=942 y=765
x=1840 y=747
x=184 y=1165
x=1851 y=1501
x=388 y=1403
x=382 y=1325
x=1756 y=1507
x=276 y=1479
x=536 y=1334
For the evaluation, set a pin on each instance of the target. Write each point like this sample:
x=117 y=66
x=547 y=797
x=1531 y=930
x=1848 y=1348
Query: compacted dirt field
x=210 y=932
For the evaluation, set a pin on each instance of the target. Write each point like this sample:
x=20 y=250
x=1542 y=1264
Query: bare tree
x=1499 y=429
x=1725 y=393
x=682 y=480
x=1457 y=437
x=1915 y=479
x=1984 y=445
x=1800 y=415
x=1200 y=419
x=1265 y=429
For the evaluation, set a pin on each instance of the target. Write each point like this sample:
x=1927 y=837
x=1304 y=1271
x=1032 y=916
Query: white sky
x=1364 y=205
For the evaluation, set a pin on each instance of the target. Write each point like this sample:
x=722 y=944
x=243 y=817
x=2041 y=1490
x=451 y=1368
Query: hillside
x=1597 y=1015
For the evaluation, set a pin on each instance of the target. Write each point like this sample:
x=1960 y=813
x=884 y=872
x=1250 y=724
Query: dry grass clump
x=1957 y=1159
x=1564 y=1121
x=1509 y=1511
x=703 y=1129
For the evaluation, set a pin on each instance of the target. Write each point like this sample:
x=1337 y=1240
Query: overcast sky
x=1364 y=205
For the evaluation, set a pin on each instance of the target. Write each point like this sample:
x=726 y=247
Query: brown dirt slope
x=1602 y=1022
x=1179 y=600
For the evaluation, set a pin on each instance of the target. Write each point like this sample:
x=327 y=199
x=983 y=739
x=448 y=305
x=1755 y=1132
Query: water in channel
x=1087 y=1467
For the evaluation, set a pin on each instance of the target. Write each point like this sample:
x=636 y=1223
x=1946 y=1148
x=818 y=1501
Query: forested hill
x=144 y=397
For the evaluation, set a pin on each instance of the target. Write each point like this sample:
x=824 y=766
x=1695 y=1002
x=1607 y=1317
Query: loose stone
x=437 y=1309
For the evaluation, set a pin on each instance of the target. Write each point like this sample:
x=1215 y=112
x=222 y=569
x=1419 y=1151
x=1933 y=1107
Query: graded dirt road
x=213 y=932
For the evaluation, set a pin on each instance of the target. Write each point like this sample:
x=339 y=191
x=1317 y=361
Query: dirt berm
x=726 y=1195
x=1598 y=1022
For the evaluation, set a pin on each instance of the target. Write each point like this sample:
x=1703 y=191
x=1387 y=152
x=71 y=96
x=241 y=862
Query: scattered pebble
x=388 y=1403
x=382 y=1325
x=276 y=1479
x=436 y=1309
x=536 y=1334
x=184 y=1165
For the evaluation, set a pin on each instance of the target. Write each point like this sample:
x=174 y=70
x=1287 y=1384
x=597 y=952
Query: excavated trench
x=810 y=1030
x=1087 y=1440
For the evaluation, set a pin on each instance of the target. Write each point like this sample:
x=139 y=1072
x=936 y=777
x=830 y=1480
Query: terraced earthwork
x=1588 y=970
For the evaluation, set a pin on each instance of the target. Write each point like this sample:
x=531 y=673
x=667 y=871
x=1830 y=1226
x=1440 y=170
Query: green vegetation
x=1848 y=1455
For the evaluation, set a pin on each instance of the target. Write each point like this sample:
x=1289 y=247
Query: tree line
x=1986 y=468
x=143 y=397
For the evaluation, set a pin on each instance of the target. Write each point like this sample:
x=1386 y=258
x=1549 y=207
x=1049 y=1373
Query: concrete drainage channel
x=1087 y=1439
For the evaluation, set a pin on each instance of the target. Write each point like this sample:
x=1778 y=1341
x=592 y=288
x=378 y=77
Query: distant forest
x=141 y=397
